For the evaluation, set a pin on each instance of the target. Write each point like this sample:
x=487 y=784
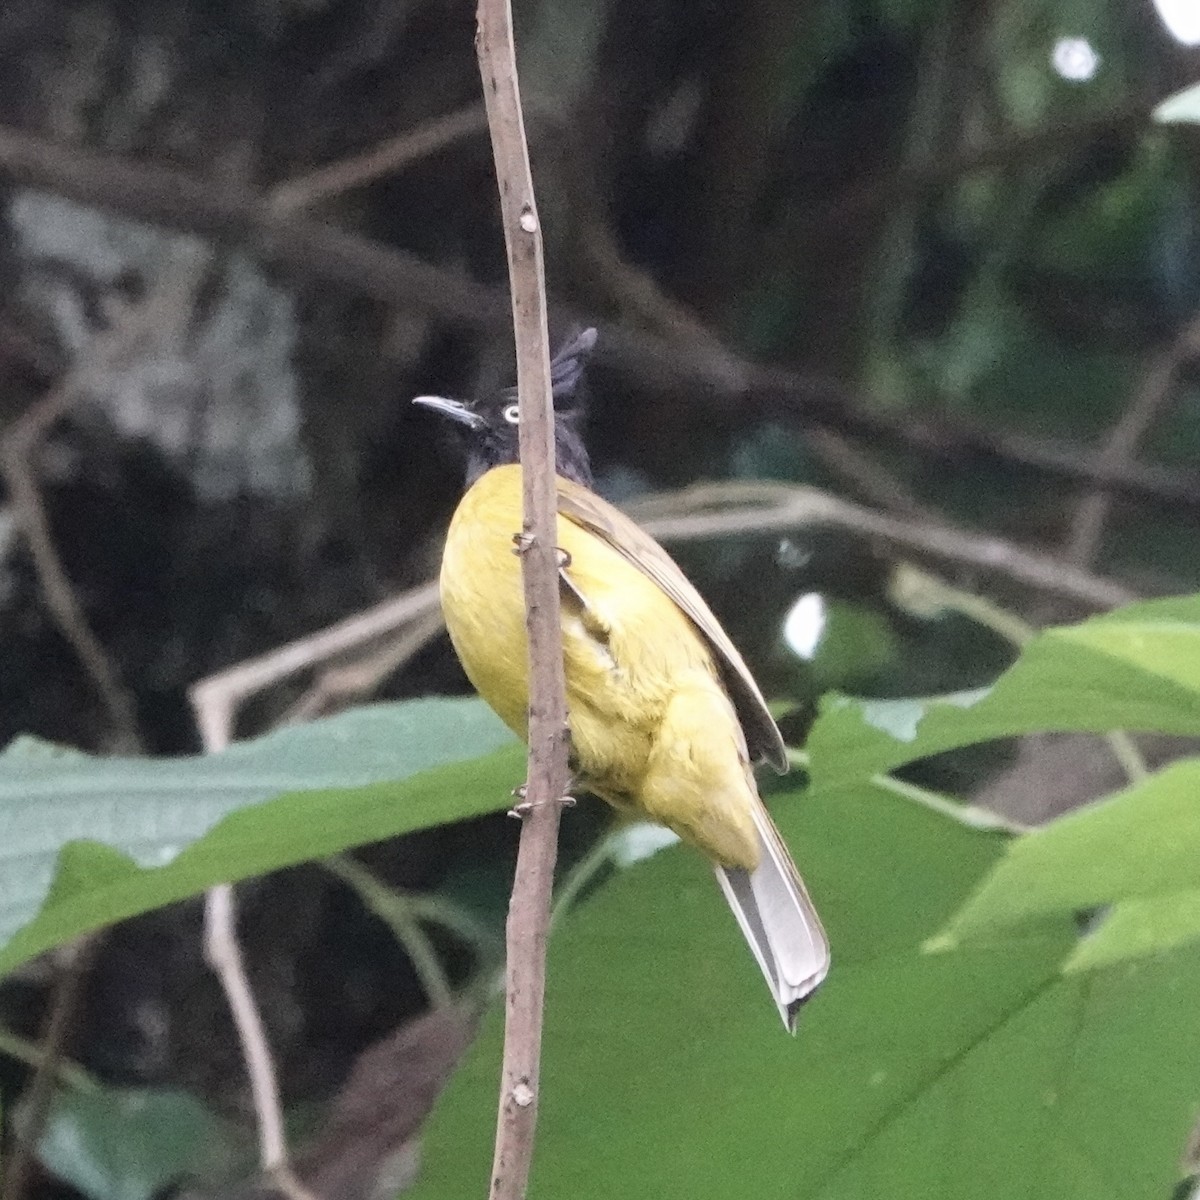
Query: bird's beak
x=456 y=410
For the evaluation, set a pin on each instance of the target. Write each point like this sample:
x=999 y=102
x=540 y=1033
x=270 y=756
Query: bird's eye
x=512 y=414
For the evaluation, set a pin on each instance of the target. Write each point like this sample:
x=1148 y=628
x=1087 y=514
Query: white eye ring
x=512 y=414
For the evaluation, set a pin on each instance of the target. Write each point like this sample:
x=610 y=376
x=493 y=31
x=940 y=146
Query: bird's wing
x=597 y=516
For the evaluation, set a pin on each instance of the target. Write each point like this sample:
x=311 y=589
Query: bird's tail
x=778 y=921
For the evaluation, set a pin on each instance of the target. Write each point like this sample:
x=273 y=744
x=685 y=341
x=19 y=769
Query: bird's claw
x=522 y=542
x=518 y=811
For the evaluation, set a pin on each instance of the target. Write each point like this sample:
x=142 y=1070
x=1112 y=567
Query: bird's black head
x=489 y=426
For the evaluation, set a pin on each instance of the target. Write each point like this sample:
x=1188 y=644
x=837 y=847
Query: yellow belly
x=651 y=727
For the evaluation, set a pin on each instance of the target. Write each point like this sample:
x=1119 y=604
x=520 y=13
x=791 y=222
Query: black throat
x=497 y=450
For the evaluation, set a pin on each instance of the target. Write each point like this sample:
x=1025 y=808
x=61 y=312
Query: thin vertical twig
x=546 y=778
x=224 y=955
x=223 y=952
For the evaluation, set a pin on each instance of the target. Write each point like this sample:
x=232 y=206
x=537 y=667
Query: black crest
x=490 y=425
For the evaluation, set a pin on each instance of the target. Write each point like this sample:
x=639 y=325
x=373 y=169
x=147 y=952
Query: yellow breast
x=651 y=726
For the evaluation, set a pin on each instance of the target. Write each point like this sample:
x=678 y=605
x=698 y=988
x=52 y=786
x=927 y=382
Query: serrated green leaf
x=1136 y=669
x=1141 y=844
x=85 y=842
x=975 y=1074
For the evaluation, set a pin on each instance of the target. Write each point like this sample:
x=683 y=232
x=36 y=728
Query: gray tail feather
x=778 y=921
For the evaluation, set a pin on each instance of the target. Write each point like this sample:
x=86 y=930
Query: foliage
x=91 y=841
x=128 y=1144
x=1019 y=1053
x=1137 y=668
x=977 y=1036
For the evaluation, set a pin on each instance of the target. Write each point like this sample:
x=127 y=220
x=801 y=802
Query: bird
x=665 y=718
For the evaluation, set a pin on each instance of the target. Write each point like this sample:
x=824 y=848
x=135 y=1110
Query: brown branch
x=637 y=291
x=546 y=779
x=742 y=508
x=215 y=700
x=720 y=510
x=1152 y=395
x=341 y=683
x=810 y=401
x=866 y=477
x=387 y=158
x=239 y=217
x=713 y=381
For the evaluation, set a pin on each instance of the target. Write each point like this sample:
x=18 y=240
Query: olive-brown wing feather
x=590 y=512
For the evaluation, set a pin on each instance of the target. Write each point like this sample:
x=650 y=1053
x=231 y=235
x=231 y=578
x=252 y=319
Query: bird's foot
x=522 y=542
x=525 y=807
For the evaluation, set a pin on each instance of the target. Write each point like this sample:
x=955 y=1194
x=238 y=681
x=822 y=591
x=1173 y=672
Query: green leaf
x=1137 y=669
x=127 y=1144
x=1143 y=928
x=1142 y=844
x=983 y=1072
x=1165 y=649
x=85 y=842
x=1182 y=107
